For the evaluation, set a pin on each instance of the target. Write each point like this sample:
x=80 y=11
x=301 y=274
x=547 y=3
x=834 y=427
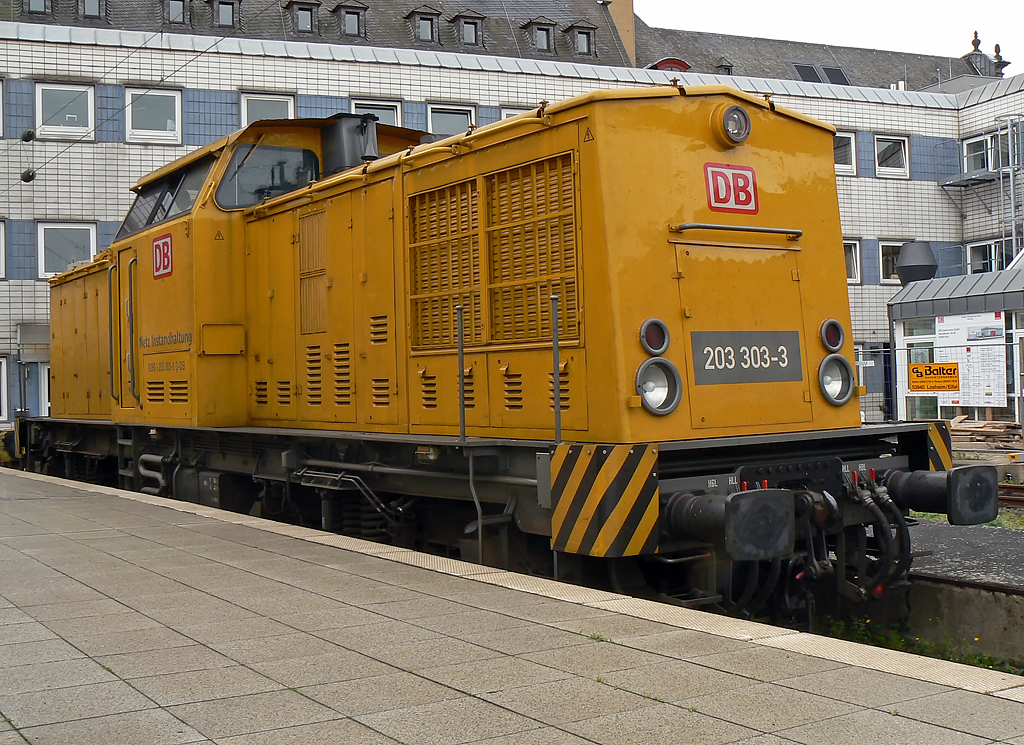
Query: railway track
x=1011 y=495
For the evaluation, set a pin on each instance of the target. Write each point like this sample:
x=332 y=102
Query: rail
x=131 y=327
x=110 y=323
x=792 y=234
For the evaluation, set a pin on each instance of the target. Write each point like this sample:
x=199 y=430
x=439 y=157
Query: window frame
x=431 y=108
x=843 y=169
x=247 y=97
x=986 y=153
x=477 y=31
x=5 y=384
x=44 y=11
x=3 y=249
x=298 y=8
x=881 y=261
x=432 y=24
x=234 y=13
x=379 y=104
x=41 y=228
x=507 y=112
x=360 y=22
x=990 y=260
x=2 y=80
x=856 y=279
x=99 y=12
x=550 y=31
x=150 y=135
x=59 y=132
x=583 y=33
x=887 y=171
x=184 y=13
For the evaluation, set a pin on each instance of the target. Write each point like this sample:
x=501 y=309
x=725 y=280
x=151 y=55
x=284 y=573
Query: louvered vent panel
x=261 y=394
x=380 y=391
x=513 y=390
x=342 y=375
x=314 y=376
x=531 y=238
x=378 y=329
x=445 y=266
x=155 y=392
x=313 y=273
x=284 y=393
x=469 y=389
x=178 y=391
x=428 y=390
x=563 y=389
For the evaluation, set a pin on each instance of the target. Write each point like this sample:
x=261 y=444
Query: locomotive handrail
x=792 y=234
x=110 y=322
x=131 y=328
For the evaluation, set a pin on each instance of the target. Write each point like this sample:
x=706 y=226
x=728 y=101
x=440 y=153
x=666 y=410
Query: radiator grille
x=314 y=376
x=178 y=391
x=313 y=273
x=428 y=390
x=380 y=389
x=342 y=375
x=261 y=393
x=155 y=392
x=284 y=393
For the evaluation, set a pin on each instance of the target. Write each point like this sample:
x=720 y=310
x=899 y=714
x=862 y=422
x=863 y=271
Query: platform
x=978 y=554
x=126 y=618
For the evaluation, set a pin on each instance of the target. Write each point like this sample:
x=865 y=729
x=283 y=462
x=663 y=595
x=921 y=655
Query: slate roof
x=968 y=293
x=775 y=58
x=387 y=23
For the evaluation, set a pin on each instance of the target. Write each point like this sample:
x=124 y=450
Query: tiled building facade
x=896 y=149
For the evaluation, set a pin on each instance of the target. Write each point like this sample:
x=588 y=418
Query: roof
x=967 y=293
x=387 y=23
x=776 y=58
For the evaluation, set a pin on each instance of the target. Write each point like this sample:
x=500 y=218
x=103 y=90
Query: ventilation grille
x=513 y=389
x=378 y=329
x=380 y=391
x=178 y=390
x=313 y=273
x=262 y=396
x=445 y=266
x=155 y=392
x=342 y=375
x=531 y=239
x=469 y=388
x=428 y=390
x=314 y=376
x=284 y=393
x=563 y=389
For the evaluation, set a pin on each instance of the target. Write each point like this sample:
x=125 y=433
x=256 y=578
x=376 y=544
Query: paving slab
x=126 y=618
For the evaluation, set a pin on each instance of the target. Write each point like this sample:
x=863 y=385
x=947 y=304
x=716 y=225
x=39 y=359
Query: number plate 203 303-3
x=723 y=357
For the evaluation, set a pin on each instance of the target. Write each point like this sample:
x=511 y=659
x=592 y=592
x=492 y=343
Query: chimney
x=621 y=12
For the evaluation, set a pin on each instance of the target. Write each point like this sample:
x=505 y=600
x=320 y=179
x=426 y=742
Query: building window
x=5 y=413
x=891 y=157
x=225 y=14
x=852 y=251
x=176 y=11
x=352 y=24
x=449 y=120
x=508 y=113
x=304 y=18
x=986 y=153
x=888 y=254
x=63 y=244
x=36 y=6
x=258 y=106
x=584 y=42
x=44 y=389
x=543 y=36
x=471 y=32
x=807 y=73
x=919 y=327
x=387 y=112
x=64 y=111
x=989 y=257
x=3 y=249
x=92 y=8
x=835 y=75
x=844 y=147
x=425 y=28
x=1 y=109
x=153 y=116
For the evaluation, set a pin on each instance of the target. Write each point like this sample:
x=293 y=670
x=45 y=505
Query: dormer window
x=471 y=32
x=581 y=35
x=541 y=31
x=469 y=26
x=176 y=11
x=351 y=16
x=37 y=6
x=225 y=13
x=92 y=9
x=543 y=37
x=424 y=23
x=425 y=28
x=352 y=23
x=304 y=17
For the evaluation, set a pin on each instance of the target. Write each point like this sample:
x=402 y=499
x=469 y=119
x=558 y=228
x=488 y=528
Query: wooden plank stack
x=978 y=435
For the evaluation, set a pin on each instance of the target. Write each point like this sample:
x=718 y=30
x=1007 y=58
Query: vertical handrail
x=462 y=376
x=131 y=327
x=110 y=322
x=557 y=377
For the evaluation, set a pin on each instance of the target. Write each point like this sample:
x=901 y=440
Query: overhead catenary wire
x=84 y=137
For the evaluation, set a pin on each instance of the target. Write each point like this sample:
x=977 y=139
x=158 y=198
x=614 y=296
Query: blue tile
x=318 y=107
x=22 y=252
x=209 y=115
x=105 y=232
x=871 y=270
x=110 y=121
x=933 y=158
x=414 y=114
x=18 y=102
x=950 y=257
x=865 y=154
x=487 y=115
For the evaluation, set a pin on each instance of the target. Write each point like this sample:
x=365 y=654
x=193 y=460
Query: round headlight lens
x=654 y=336
x=736 y=123
x=835 y=376
x=832 y=335
x=659 y=386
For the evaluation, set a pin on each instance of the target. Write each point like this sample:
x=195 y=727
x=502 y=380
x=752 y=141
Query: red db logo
x=162 y=257
x=731 y=188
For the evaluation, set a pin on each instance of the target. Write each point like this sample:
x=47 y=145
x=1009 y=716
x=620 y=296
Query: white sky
x=941 y=27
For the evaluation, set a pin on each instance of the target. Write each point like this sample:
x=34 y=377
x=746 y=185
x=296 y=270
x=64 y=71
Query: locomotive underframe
x=418 y=492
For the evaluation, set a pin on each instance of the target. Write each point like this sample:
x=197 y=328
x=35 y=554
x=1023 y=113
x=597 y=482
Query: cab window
x=169 y=197
x=258 y=172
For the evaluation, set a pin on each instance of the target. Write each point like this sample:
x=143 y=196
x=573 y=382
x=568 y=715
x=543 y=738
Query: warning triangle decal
x=589 y=136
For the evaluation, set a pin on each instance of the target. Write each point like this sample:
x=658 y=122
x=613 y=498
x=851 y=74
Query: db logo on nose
x=162 y=257
x=731 y=188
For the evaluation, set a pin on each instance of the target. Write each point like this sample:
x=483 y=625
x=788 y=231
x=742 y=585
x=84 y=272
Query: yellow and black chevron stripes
x=605 y=499
x=940 y=447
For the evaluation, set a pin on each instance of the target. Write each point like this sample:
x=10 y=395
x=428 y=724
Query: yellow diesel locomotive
x=606 y=339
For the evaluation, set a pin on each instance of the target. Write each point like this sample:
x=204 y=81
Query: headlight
x=654 y=336
x=731 y=123
x=659 y=386
x=832 y=335
x=835 y=376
